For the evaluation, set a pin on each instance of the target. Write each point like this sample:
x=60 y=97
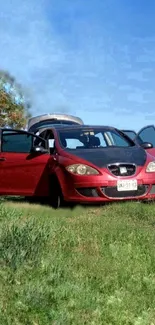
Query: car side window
x=13 y=141
x=49 y=136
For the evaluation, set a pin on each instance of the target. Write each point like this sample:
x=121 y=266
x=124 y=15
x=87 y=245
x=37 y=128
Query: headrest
x=94 y=141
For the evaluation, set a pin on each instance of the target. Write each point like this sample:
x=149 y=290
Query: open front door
x=147 y=134
x=23 y=171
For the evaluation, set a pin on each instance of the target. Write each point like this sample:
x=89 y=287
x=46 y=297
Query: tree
x=14 y=108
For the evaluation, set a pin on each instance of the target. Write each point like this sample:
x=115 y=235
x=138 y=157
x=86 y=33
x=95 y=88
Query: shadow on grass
x=12 y=199
x=45 y=202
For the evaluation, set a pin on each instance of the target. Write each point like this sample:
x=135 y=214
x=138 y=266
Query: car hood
x=102 y=157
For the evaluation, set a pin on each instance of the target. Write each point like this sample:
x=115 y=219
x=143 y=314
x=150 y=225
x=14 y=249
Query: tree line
x=14 y=107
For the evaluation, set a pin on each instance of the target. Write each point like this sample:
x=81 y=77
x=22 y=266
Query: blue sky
x=91 y=58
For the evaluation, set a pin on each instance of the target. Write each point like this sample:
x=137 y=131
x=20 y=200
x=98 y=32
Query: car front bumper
x=99 y=190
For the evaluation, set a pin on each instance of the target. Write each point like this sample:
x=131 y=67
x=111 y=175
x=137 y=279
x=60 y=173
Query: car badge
x=123 y=170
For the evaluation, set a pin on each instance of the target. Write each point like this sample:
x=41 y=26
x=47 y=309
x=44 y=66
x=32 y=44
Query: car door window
x=49 y=137
x=13 y=141
x=147 y=135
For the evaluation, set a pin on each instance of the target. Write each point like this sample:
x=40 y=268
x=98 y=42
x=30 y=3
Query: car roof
x=60 y=127
x=127 y=130
x=74 y=127
x=85 y=126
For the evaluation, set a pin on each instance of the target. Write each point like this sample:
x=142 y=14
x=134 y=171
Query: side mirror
x=39 y=149
x=147 y=145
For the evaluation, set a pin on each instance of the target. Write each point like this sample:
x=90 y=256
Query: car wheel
x=56 y=197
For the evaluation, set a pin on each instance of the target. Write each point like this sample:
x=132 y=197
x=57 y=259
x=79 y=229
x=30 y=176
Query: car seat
x=93 y=142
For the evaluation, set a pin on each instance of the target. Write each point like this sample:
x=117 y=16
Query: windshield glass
x=92 y=138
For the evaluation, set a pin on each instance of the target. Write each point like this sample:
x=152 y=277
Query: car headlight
x=80 y=169
x=150 y=167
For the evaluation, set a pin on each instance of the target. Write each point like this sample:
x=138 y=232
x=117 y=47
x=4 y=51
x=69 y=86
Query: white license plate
x=127 y=185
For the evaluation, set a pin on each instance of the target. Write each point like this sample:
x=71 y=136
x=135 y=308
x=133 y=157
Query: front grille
x=122 y=169
x=112 y=192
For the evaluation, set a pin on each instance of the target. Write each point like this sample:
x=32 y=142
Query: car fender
x=58 y=176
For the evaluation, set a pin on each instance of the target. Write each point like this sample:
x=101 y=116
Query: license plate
x=127 y=185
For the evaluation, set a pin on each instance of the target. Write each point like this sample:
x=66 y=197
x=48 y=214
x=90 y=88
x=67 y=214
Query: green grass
x=72 y=267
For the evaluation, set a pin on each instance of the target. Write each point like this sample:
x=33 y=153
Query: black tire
x=56 y=197
x=30 y=199
x=34 y=199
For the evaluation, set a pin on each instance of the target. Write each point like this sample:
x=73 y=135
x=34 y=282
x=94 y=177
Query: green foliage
x=14 y=109
x=74 y=267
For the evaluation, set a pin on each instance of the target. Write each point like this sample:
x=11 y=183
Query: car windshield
x=92 y=138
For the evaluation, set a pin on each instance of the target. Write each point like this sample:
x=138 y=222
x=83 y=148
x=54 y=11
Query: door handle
x=2 y=158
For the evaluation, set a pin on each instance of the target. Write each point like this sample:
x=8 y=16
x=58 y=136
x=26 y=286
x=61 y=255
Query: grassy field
x=85 y=266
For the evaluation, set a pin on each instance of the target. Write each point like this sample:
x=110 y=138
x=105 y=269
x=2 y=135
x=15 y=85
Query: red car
x=76 y=163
